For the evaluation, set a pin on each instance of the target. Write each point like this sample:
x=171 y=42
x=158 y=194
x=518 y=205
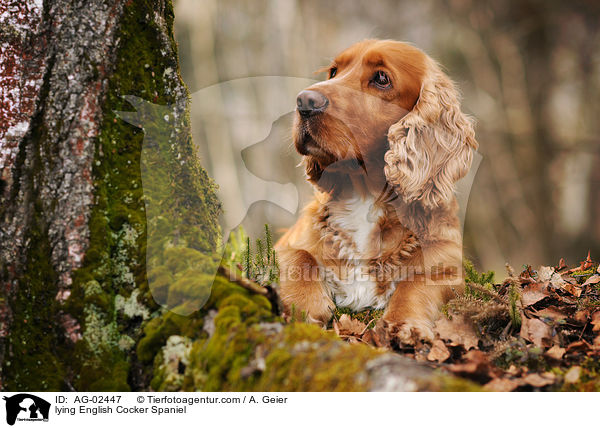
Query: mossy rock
x=247 y=348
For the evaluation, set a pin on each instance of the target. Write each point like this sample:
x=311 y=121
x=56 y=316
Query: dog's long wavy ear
x=431 y=146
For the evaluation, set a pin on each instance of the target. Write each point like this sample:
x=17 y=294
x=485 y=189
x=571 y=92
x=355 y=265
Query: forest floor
x=535 y=330
x=538 y=330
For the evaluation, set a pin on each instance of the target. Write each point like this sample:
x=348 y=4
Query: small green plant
x=368 y=316
x=517 y=352
x=474 y=278
x=513 y=297
x=258 y=264
x=261 y=266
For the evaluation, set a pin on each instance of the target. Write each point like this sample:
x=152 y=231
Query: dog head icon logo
x=26 y=407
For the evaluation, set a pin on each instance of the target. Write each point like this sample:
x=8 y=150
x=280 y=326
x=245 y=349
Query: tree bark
x=72 y=213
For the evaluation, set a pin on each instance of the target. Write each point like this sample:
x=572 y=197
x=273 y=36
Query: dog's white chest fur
x=354 y=287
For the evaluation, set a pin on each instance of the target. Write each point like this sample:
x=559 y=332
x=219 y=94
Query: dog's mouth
x=307 y=145
x=310 y=145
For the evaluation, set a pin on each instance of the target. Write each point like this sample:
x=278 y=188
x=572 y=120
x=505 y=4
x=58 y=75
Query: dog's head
x=386 y=111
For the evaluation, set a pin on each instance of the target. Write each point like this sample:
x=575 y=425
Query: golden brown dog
x=383 y=141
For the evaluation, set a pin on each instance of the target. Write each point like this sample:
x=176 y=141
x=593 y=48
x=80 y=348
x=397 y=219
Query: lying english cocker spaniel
x=383 y=142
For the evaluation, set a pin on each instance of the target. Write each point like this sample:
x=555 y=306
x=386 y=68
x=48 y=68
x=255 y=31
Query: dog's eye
x=381 y=80
x=332 y=72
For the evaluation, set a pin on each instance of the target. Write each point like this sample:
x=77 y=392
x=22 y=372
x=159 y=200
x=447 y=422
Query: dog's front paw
x=317 y=314
x=406 y=332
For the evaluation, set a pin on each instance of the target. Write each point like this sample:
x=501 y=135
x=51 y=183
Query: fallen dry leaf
x=561 y=264
x=596 y=321
x=568 y=278
x=380 y=335
x=526 y=277
x=551 y=312
x=594 y=279
x=514 y=370
x=501 y=384
x=557 y=314
x=578 y=346
x=477 y=364
x=588 y=263
x=557 y=281
x=533 y=293
x=458 y=331
x=369 y=337
x=573 y=374
x=548 y=275
x=584 y=265
x=581 y=316
x=538 y=380
x=574 y=289
x=439 y=352
x=536 y=331
x=555 y=352
x=545 y=273
x=347 y=326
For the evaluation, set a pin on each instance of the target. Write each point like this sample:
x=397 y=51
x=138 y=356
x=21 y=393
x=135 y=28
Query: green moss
x=224 y=362
x=484 y=279
x=584 y=275
x=242 y=339
x=192 y=288
x=36 y=345
x=589 y=379
x=520 y=354
x=158 y=330
x=169 y=364
x=444 y=383
x=95 y=295
x=33 y=352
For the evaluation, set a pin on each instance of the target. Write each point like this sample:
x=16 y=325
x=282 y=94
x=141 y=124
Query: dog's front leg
x=411 y=312
x=416 y=302
x=302 y=290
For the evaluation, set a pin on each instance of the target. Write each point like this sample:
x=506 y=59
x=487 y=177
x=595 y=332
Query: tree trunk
x=72 y=214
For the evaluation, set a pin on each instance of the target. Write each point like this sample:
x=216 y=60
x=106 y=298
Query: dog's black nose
x=311 y=102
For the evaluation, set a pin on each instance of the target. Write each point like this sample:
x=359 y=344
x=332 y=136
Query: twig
x=348 y=336
x=506 y=329
x=484 y=290
x=367 y=326
x=582 y=330
x=269 y=291
x=246 y=283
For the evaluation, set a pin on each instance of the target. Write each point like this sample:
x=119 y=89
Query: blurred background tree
x=529 y=72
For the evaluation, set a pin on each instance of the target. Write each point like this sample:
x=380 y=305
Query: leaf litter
x=538 y=330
